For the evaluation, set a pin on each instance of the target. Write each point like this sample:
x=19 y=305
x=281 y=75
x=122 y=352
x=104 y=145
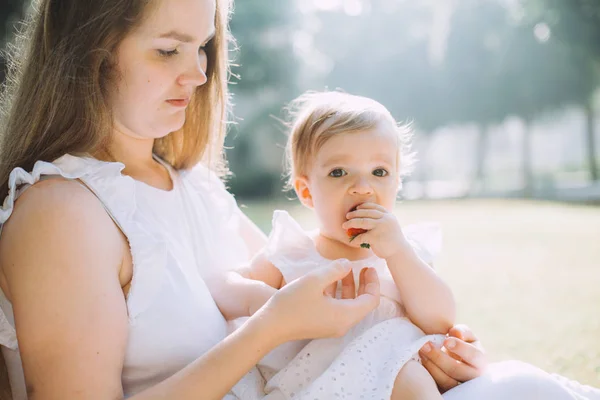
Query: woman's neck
x=333 y=249
x=136 y=154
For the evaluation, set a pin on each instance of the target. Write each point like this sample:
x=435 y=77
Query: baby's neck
x=333 y=249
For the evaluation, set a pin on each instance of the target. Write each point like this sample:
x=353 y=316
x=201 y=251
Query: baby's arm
x=242 y=292
x=427 y=298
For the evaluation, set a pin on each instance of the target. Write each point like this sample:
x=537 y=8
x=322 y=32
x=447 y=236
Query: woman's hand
x=304 y=308
x=461 y=359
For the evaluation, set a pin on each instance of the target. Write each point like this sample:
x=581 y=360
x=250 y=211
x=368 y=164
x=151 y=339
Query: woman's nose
x=195 y=75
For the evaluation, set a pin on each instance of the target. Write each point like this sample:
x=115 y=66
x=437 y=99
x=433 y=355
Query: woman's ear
x=303 y=191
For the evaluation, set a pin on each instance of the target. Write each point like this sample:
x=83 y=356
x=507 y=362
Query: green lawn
x=526 y=275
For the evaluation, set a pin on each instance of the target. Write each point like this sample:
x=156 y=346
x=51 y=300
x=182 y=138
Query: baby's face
x=351 y=169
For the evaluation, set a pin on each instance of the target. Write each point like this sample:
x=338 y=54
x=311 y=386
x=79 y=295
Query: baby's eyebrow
x=384 y=157
x=338 y=159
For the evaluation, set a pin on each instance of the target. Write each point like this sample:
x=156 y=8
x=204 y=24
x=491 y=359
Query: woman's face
x=159 y=66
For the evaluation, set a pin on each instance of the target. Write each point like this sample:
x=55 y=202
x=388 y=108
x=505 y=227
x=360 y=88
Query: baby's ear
x=303 y=191
x=399 y=182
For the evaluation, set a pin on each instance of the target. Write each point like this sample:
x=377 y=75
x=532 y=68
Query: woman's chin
x=169 y=128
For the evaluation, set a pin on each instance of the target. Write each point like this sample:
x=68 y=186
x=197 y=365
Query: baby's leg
x=415 y=382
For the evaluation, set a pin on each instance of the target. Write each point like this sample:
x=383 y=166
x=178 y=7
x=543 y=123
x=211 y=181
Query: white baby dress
x=363 y=363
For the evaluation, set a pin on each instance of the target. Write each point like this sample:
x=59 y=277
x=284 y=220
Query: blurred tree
x=385 y=54
x=472 y=73
x=498 y=65
x=538 y=77
x=264 y=78
x=10 y=12
x=495 y=64
x=574 y=25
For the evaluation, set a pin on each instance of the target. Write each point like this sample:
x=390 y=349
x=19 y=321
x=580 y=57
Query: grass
x=526 y=275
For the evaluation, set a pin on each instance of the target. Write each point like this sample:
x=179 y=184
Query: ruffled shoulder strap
x=290 y=248
x=426 y=240
x=68 y=166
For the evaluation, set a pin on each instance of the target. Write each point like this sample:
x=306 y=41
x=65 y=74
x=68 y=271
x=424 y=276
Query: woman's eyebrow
x=183 y=37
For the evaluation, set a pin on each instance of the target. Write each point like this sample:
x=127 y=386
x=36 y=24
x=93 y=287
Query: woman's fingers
x=443 y=381
x=330 y=290
x=361 y=282
x=368 y=296
x=474 y=353
x=348 y=286
x=369 y=282
x=329 y=276
x=467 y=352
x=455 y=369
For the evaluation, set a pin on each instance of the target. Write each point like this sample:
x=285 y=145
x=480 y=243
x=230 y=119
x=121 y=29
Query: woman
x=109 y=235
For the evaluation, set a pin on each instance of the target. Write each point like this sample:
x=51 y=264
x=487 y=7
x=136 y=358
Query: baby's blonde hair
x=315 y=117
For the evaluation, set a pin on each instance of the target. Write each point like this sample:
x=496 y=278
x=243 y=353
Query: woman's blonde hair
x=315 y=117
x=60 y=70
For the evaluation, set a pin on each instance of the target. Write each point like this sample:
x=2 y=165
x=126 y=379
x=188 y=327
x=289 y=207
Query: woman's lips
x=179 y=102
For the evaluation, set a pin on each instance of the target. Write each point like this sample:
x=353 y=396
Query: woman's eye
x=380 y=172
x=168 y=53
x=338 y=173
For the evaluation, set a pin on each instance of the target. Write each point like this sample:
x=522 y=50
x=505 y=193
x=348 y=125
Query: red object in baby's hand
x=354 y=232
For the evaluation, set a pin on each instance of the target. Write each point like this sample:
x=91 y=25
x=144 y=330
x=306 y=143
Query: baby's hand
x=375 y=227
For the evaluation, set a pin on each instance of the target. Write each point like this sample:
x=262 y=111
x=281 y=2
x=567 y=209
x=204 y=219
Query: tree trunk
x=591 y=139
x=478 y=184
x=424 y=167
x=526 y=159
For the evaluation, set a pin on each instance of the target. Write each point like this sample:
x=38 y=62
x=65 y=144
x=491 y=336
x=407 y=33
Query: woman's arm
x=61 y=254
x=299 y=311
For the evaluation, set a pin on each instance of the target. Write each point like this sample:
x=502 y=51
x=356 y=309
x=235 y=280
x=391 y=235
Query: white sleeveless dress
x=177 y=238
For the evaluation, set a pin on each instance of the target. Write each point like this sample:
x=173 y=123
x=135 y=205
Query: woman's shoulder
x=56 y=200
x=57 y=218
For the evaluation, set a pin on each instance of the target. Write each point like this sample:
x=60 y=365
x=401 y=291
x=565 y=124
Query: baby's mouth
x=354 y=232
x=355 y=207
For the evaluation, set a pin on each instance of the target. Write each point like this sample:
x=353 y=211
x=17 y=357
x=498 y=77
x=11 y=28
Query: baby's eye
x=380 y=172
x=338 y=173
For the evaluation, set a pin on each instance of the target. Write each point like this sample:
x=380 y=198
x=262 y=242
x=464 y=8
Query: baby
x=346 y=156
